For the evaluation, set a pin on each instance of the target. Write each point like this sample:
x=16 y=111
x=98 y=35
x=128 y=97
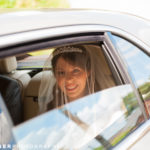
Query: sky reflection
x=98 y=111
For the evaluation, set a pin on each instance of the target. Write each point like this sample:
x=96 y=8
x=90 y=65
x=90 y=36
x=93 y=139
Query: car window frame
x=10 y=43
x=124 y=69
x=141 y=131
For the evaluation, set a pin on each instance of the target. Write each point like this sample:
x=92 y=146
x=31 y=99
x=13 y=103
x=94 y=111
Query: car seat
x=12 y=86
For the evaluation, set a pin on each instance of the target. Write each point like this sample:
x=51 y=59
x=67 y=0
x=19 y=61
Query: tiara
x=67 y=49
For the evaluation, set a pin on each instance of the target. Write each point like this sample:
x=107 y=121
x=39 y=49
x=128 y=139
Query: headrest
x=35 y=82
x=34 y=85
x=7 y=65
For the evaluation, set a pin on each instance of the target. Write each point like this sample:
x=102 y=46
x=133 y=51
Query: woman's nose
x=69 y=77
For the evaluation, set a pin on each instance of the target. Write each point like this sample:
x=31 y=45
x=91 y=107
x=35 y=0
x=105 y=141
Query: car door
x=105 y=121
x=137 y=62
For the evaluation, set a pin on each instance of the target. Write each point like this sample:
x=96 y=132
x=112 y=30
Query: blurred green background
x=34 y=4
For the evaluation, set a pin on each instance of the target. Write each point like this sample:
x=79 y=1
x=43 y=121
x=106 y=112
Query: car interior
x=21 y=93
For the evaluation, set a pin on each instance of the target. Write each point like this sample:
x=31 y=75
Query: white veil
x=98 y=73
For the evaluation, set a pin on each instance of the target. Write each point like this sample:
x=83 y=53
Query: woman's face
x=70 y=79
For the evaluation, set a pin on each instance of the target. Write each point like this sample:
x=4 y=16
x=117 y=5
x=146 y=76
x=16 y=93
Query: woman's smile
x=71 y=88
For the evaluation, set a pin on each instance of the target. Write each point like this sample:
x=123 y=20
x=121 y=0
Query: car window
x=138 y=64
x=32 y=60
x=93 y=117
x=6 y=137
x=97 y=121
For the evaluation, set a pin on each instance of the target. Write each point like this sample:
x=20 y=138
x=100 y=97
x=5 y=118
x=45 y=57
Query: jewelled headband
x=67 y=49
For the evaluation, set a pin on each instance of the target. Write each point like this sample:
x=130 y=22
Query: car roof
x=27 y=20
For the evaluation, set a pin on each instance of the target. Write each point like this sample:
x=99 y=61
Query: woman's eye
x=76 y=71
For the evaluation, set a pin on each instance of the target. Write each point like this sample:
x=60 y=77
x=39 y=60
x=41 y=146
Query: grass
x=100 y=148
x=116 y=140
x=7 y=3
x=34 y=4
x=120 y=137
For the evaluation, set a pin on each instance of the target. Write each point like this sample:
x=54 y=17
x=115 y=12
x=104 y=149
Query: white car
x=118 y=115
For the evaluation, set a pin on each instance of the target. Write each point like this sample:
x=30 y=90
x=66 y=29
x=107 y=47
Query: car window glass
x=97 y=121
x=138 y=64
x=6 y=138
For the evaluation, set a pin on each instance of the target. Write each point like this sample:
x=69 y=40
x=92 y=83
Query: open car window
x=32 y=60
x=92 y=119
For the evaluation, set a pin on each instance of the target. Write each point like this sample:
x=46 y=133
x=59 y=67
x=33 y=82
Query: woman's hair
x=75 y=55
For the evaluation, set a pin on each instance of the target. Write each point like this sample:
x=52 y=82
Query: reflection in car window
x=97 y=121
x=139 y=67
x=6 y=137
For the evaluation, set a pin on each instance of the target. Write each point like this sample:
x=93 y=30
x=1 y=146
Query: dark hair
x=75 y=58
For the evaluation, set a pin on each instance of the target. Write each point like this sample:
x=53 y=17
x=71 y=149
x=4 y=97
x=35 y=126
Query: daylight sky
x=136 y=7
